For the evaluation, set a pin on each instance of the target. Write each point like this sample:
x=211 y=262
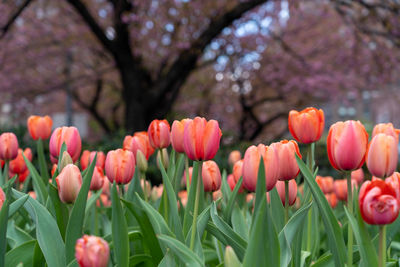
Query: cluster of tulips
x=83 y=213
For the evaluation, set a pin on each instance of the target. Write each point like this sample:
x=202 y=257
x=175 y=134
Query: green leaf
x=119 y=230
x=232 y=198
x=134 y=186
x=92 y=200
x=42 y=162
x=77 y=216
x=187 y=220
x=15 y=235
x=260 y=187
x=62 y=149
x=3 y=226
x=226 y=190
x=38 y=184
x=47 y=233
x=277 y=209
x=186 y=256
x=365 y=245
x=325 y=260
x=239 y=223
x=61 y=210
x=17 y=204
x=333 y=230
x=176 y=182
x=21 y=254
x=231 y=259
x=139 y=258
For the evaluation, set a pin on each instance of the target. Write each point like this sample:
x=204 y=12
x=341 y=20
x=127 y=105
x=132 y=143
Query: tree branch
x=13 y=18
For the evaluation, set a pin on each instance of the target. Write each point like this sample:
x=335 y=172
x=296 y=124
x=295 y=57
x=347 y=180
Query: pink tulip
x=394 y=181
x=120 y=166
x=340 y=188
x=177 y=131
x=325 y=183
x=386 y=128
x=286 y=152
x=358 y=175
x=8 y=146
x=69 y=183
x=280 y=187
x=211 y=176
x=2 y=197
x=97 y=179
x=68 y=135
x=234 y=157
x=92 y=251
x=382 y=155
x=158 y=133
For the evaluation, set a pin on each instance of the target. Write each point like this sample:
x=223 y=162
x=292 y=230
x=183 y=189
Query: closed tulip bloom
x=92 y=251
x=97 y=179
x=211 y=176
x=307 y=125
x=177 y=130
x=39 y=127
x=141 y=161
x=378 y=203
x=231 y=181
x=280 y=187
x=159 y=135
x=201 y=139
x=325 y=183
x=106 y=187
x=68 y=135
x=287 y=159
x=238 y=172
x=84 y=161
x=386 y=128
x=138 y=141
x=251 y=164
x=394 y=181
x=332 y=199
x=340 y=188
x=347 y=144
x=120 y=166
x=382 y=155
x=234 y=156
x=18 y=165
x=8 y=146
x=100 y=160
x=69 y=183
x=358 y=175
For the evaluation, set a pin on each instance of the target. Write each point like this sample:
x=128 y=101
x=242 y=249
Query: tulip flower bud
x=85 y=159
x=340 y=188
x=217 y=195
x=234 y=157
x=120 y=166
x=69 y=183
x=18 y=165
x=230 y=259
x=211 y=176
x=287 y=160
x=2 y=197
x=100 y=160
x=201 y=139
x=8 y=146
x=68 y=135
x=382 y=155
x=347 y=144
x=280 y=187
x=141 y=161
x=65 y=160
x=358 y=175
x=251 y=162
x=39 y=127
x=177 y=130
x=237 y=173
x=92 y=251
x=307 y=125
x=386 y=128
x=325 y=183
x=378 y=203
x=332 y=199
x=158 y=133
x=103 y=200
x=97 y=179
x=164 y=158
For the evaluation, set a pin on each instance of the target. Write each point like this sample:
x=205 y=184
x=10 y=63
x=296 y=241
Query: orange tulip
x=22 y=176
x=211 y=176
x=177 y=130
x=18 y=165
x=139 y=141
x=201 y=139
x=382 y=155
x=100 y=160
x=251 y=164
x=347 y=144
x=120 y=166
x=8 y=146
x=325 y=183
x=39 y=127
x=386 y=128
x=84 y=161
x=234 y=156
x=358 y=175
x=158 y=133
x=183 y=196
x=307 y=125
x=68 y=135
x=69 y=183
x=106 y=187
x=32 y=194
x=92 y=251
x=378 y=203
x=280 y=187
x=287 y=160
x=332 y=199
x=340 y=188
x=237 y=173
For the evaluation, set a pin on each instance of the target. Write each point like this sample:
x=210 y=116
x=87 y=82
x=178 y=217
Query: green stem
x=349 y=229
x=165 y=199
x=5 y=173
x=382 y=245
x=42 y=162
x=309 y=222
x=96 y=224
x=121 y=190
x=286 y=201
x=187 y=173
x=196 y=207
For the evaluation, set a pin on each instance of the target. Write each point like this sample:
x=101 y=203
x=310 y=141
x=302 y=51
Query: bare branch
x=13 y=18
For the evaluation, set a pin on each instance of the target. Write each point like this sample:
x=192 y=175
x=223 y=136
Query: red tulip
x=287 y=160
x=358 y=175
x=69 y=183
x=18 y=165
x=325 y=183
x=231 y=181
x=332 y=199
x=234 y=157
x=280 y=187
x=386 y=128
x=378 y=203
x=8 y=146
x=2 y=197
x=159 y=135
x=85 y=159
x=382 y=155
x=139 y=141
x=120 y=166
x=347 y=143
x=307 y=125
x=68 y=135
x=211 y=176
x=177 y=131
x=251 y=164
x=340 y=188
x=201 y=139
x=39 y=127
x=22 y=176
x=92 y=251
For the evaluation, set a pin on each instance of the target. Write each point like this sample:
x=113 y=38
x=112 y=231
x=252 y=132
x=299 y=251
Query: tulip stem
x=187 y=173
x=165 y=199
x=309 y=222
x=42 y=162
x=196 y=208
x=5 y=173
x=286 y=201
x=382 y=245
x=349 y=229
x=121 y=190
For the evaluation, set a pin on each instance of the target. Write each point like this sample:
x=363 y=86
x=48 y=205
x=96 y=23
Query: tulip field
x=270 y=208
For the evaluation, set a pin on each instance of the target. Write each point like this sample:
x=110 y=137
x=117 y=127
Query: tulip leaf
x=15 y=235
x=176 y=182
x=3 y=225
x=277 y=209
x=333 y=230
x=61 y=210
x=92 y=200
x=134 y=186
x=42 y=162
x=47 y=232
x=231 y=201
x=181 y=251
x=325 y=260
x=21 y=254
x=187 y=220
x=17 y=204
x=38 y=184
x=226 y=190
x=261 y=185
x=62 y=150
x=119 y=230
x=239 y=223
x=139 y=258
x=365 y=245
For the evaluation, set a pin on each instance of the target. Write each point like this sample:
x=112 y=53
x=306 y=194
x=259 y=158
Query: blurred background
x=109 y=67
